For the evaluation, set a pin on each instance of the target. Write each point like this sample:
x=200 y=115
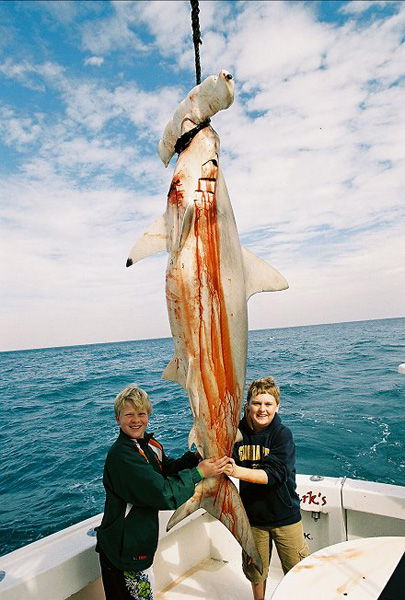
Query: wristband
x=199 y=472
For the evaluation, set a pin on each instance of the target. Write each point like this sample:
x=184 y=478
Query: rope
x=195 y=22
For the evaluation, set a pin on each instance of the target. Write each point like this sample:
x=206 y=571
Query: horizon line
x=169 y=337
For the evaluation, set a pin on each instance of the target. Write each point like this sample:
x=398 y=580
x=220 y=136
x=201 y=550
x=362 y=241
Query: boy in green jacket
x=139 y=480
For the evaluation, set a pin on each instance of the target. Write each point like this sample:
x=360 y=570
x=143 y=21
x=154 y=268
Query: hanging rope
x=195 y=22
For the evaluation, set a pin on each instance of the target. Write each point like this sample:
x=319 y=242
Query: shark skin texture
x=209 y=279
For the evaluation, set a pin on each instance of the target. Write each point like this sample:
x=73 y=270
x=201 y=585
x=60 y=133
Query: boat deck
x=217 y=573
x=215 y=579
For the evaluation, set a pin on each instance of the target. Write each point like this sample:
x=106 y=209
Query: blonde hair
x=266 y=385
x=134 y=395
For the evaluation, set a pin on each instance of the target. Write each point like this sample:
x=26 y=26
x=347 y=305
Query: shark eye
x=229 y=76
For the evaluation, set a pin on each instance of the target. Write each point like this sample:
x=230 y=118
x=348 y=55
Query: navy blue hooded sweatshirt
x=273 y=450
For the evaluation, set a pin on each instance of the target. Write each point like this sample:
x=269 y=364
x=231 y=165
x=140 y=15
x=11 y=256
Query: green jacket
x=128 y=536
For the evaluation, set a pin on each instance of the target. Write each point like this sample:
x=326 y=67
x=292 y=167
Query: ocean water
x=340 y=394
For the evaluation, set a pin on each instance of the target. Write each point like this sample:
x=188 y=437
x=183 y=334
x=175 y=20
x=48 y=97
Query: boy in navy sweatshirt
x=264 y=461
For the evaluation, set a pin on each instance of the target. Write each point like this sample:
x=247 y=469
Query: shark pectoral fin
x=174 y=372
x=151 y=241
x=220 y=498
x=186 y=225
x=239 y=436
x=260 y=276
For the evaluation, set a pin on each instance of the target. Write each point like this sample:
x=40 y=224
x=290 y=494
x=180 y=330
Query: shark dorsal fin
x=260 y=276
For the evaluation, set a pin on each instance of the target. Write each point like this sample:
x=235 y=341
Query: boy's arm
x=130 y=477
x=135 y=481
x=275 y=467
x=245 y=474
x=280 y=462
x=171 y=466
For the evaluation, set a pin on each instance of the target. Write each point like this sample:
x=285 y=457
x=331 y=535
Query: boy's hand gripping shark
x=209 y=279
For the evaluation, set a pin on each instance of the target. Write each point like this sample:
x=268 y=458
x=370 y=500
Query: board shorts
x=290 y=544
x=140 y=584
x=126 y=585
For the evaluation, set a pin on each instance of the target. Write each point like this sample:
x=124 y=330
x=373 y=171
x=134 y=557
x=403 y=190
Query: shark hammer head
x=215 y=93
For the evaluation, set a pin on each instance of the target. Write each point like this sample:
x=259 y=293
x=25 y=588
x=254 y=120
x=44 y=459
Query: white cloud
x=63 y=11
x=7 y=33
x=311 y=150
x=92 y=104
x=67 y=262
x=94 y=61
x=167 y=22
x=314 y=127
x=18 y=131
x=361 y=6
x=115 y=33
x=30 y=75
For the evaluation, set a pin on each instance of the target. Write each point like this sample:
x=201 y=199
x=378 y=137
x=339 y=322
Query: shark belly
x=206 y=301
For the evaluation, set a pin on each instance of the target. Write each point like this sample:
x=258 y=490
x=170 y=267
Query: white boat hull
x=65 y=565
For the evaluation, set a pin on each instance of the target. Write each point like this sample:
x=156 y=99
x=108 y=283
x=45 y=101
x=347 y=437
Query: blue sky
x=312 y=150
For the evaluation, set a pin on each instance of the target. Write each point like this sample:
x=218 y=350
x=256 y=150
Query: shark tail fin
x=220 y=498
x=151 y=241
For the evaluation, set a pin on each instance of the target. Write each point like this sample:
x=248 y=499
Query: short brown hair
x=266 y=385
x=134 y=395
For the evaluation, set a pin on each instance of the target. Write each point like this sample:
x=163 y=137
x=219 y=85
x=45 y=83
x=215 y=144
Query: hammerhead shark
x=209 y=279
